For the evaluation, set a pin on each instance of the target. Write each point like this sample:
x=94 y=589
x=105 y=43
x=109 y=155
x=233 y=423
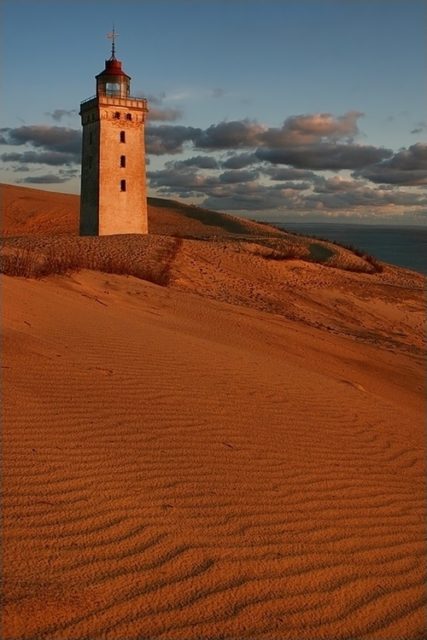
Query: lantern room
x=113 y=81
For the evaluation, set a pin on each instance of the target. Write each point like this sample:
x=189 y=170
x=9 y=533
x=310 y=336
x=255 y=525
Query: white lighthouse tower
x=113 y=189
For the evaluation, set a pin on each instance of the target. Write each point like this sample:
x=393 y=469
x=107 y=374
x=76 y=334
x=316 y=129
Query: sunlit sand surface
x=238 y=454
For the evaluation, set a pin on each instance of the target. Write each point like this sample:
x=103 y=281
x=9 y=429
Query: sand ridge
x=27 y=211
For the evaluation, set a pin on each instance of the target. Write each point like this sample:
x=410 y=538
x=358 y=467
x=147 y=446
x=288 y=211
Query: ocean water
x=403 y=246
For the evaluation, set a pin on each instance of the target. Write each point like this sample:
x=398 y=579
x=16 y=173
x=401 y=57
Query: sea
x=405 y=246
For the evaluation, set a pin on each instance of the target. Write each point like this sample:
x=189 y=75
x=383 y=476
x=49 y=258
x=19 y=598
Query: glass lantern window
x=112 y=88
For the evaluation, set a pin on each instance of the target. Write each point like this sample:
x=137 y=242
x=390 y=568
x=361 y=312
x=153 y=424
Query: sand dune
x=238 y=454
x=29 y=211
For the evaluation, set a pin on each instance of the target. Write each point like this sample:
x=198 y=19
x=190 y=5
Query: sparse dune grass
x=40 y=256
x=38 y=213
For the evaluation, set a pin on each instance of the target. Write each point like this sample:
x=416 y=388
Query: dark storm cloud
x=46 y=179
x=54 y=158
x=60 y=139
x=166 y=138
x=58 y=114
x=407 y=167
x=325 y=156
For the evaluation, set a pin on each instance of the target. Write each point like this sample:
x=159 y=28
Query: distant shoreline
x=402 y=245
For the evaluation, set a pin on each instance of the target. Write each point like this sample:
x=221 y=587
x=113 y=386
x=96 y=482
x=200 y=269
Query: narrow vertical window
x=122 y=185
x=117 y=115
x=122 y=161
x=128 y=116
x=122 y=136
x=90 y=137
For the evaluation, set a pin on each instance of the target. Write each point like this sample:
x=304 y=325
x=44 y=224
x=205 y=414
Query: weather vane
x=112 y=36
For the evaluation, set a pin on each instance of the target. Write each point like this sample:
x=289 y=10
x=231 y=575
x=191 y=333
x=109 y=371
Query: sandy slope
x=179 y=467
x=236 y=454
x=38 y=212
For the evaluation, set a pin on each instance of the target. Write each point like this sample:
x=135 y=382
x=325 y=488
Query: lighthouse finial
x=112 y=36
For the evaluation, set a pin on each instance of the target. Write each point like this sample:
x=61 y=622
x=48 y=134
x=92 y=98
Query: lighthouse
x=113 y=187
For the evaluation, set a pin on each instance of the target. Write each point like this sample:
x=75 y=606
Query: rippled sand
x=239 y=454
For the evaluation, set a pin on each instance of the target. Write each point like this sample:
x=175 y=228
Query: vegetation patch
x=320 y=253
x=43 y=257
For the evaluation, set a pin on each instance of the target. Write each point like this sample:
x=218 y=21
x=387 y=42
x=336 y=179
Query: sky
x=281 y=110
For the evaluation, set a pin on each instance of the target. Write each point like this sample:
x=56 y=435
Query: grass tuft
x=66 y=257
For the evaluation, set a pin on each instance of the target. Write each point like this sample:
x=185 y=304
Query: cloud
x=202 y=162
x=238 y=190
x=49 y=178
x=324 y=156
x=298 y=132
x=293 y=186
x=58 y=114
x=252 y=196
x=163 y=139
x=238 y=176
x=309 y=129
x=165 y=115
x=357 y=199
x=54 y=158
x=240 y=161
x=184 y=181
x=60 y=139
x=155 y=99
x=365 y=197
x=158 y=112
x=420 y=127
x=412 y=159
x=230 y=135
x=289 y=173
x=336 y=184
x=407 y=167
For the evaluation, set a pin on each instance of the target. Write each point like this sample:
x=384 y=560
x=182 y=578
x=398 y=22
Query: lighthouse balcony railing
x=114 y=98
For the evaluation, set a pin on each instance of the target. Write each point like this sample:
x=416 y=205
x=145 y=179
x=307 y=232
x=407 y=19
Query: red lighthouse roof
x=113 y=67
